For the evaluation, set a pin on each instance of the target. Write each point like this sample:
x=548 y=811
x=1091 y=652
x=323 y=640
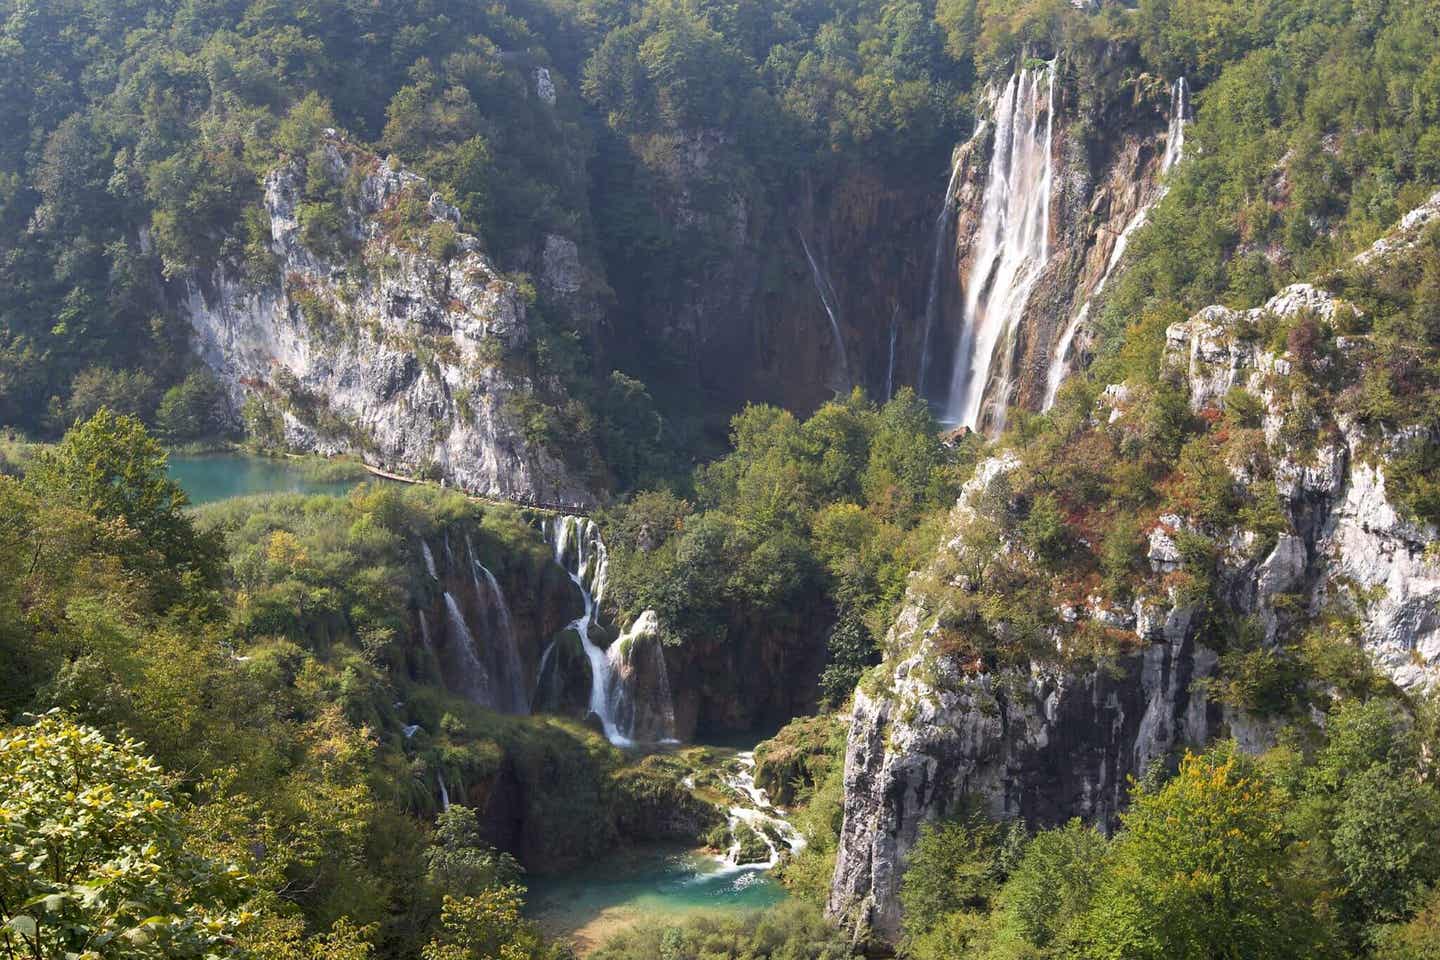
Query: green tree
x=1051 y=887
x=1201 y=871
x=460 y=862
x=93 y=859
x=110 y=467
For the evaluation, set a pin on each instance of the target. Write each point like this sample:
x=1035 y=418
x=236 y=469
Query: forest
x=220 y=732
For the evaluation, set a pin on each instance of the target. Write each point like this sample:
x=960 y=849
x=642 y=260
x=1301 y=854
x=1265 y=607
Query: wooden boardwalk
x=553 y=509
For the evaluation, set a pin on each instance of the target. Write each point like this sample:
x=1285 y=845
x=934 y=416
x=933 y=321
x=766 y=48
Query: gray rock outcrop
x=932 y=731
x=397 y=343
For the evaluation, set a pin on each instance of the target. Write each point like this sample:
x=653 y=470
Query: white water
x=1175 y=137
x=890 y=366
x=476 y=682
x=1174 y=149
x=757 y=812
x=827 y=299
x=444 y=794
x=611 y=700
x=937 y=253
x=429 y=560
x=1012 y=247
x=589 y=574
x=505 y=645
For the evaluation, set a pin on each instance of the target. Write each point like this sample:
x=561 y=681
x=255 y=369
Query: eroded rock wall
x=390 y=349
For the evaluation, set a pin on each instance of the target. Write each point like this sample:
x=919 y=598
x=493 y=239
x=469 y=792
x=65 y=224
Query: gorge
x=767 y=481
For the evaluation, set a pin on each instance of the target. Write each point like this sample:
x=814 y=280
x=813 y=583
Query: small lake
x=590 y=904
x=211 y=477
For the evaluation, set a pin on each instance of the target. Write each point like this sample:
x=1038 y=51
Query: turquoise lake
x=220 y=476
x=646 y=884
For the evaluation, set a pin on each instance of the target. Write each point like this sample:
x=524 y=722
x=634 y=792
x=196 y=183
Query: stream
x=668 y=883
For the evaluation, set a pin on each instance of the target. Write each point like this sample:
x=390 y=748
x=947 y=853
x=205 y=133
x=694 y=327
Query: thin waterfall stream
x=1174 y=150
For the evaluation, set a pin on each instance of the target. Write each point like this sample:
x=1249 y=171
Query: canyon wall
x=932 y=730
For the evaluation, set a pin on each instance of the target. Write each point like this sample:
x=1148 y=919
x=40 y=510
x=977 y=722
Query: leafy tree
x=111 y=468
x=93 y=858
x=1201 y=869
x=487 y=926
x=1051 y=887
x=459 y=862
x=954 y=867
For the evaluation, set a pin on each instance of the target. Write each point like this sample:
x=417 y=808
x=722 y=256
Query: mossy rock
x=652 y=802
x=793 y=761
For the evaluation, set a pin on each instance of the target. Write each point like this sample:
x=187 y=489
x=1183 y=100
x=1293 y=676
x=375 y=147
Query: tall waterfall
x=625 y=713
x=890 y=365
x=1013 y=244
x=475 y=680
x=1174 y=149
x=1175 y=137
x=504 y=648
x=829 y=301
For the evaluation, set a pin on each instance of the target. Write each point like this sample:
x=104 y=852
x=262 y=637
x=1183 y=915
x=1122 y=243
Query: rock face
x=1043 y=744
x=398 y=341
x=1100 y=188
x=1059 y=739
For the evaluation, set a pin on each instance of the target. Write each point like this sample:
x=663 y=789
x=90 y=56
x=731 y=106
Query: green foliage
x=1051 y=888
x=792 y=931
x=804 y=524
x=485 y=925
x=193 y=409
x=1200 y=869
x=111 y=468
x=954 y=869
x=93 y=853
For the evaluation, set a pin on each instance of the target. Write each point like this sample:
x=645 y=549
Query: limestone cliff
x=384 y=331
x=1087 y=173
x=1059 y=735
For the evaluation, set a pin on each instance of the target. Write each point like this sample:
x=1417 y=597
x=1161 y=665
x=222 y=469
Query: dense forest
x=222 y=735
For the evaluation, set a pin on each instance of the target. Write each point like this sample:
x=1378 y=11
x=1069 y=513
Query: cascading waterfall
x=890 y=366
x=505 y=648
x=755 y=811
x=429 y=560
x=1012 y=249
x=444 y=794
x=937 y=253
x=1175 y=137
x=475 y=683
x=828 y=300
x=610 y=700
x=1174 y=149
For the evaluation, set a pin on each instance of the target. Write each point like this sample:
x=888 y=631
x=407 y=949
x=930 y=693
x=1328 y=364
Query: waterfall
x=827 y=299
x=509 y=649
x=425 y=631
x=588 y=574
x=476 y=680
x=429 y=560
x=1174 y=148
x=505 y=650
x=444 y=794
x=611 y=698
x=1175 y=136
x=890 y=366
x=937 y=253
x=1013 y=245
x=754 y=810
